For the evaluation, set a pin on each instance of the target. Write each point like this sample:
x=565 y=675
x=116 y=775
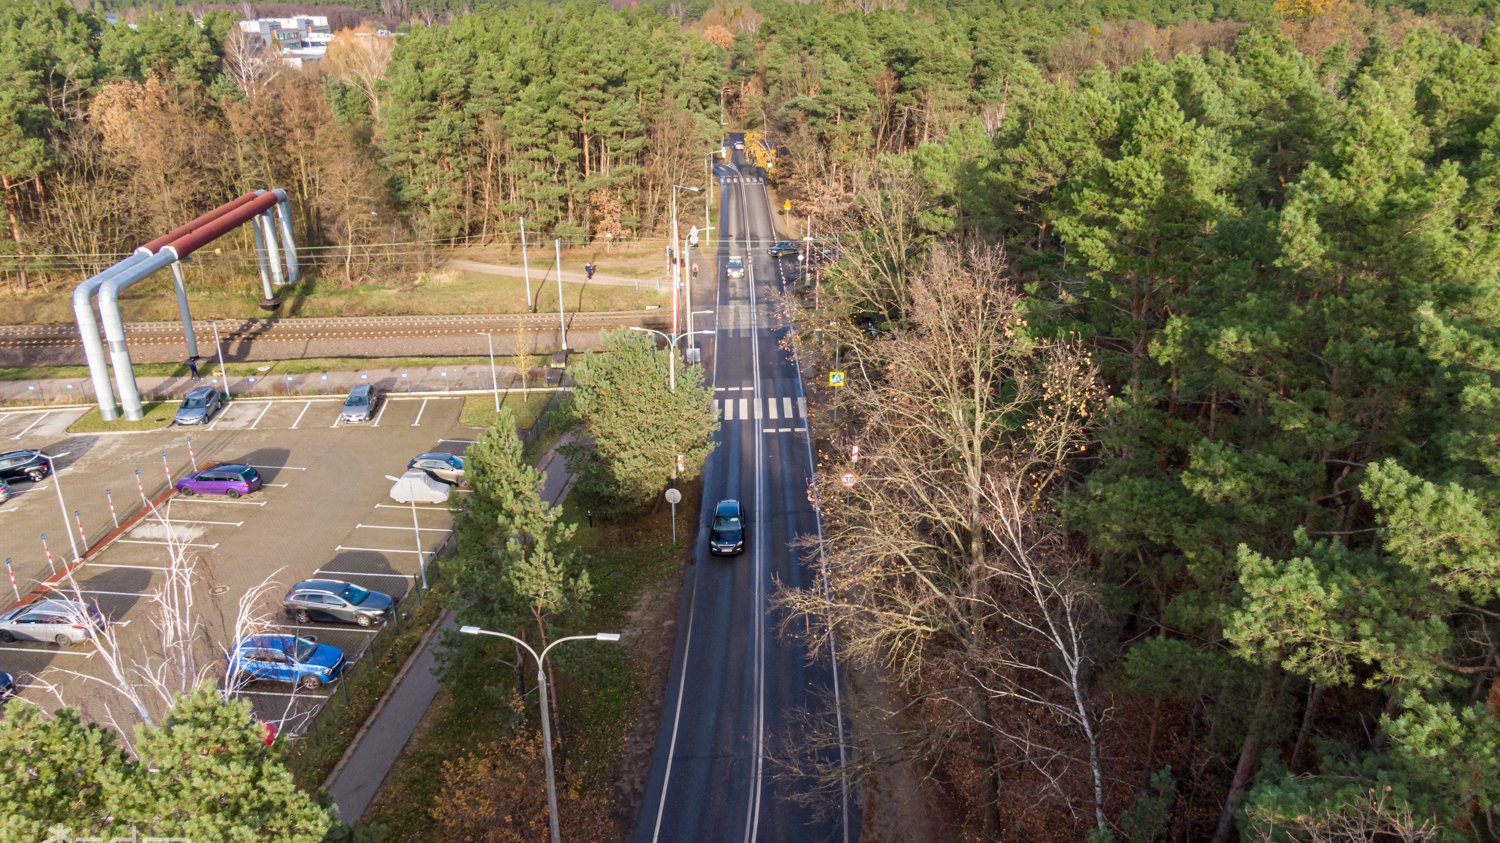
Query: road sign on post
x=674 y=497
x=787 y=205
x=835 y=378
x=681 y=464
x=853 y=453
x=848 y=479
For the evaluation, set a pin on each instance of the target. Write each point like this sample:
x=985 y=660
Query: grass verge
x=158 y=414
x=479 y=410
x=600 y=687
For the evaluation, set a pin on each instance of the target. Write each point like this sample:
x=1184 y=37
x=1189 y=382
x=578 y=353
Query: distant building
x=298 y=40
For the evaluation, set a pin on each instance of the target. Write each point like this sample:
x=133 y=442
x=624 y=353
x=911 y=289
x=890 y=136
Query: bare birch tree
x=942 y=565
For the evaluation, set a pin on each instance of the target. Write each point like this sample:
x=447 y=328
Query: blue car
x=285 y=658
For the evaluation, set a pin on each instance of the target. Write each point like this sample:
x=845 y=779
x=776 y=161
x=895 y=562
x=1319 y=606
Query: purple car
x=232 y=479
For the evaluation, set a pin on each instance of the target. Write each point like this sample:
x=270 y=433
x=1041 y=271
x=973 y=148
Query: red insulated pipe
x=199 y=237
x=180 y=230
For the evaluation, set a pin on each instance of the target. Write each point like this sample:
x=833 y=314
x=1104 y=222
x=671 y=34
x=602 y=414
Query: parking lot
x=324 y=511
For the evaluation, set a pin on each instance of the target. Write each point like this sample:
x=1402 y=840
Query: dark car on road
x=284 y=658
x=444 y=467
x=337 y=601
x=735 y=267
x=726 y=535
x=199 y=406
x=783 y=248
x=232 y=479
x=361 y=404
x=24 y=465
x=7 y=686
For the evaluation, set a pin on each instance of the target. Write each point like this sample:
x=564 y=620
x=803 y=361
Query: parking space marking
x=301 y=414
x=179 y=544
x=130 y=567
x=352 y=628
x=416 y=423
x=107 y=593
x=87 y=655
x=261 y=416
x=304 y=695
x=367 y=573
x=275 y=485
x=384 y=527
x=336 y=421
x=225 y=523
x=218 y=418
x=465 y=441
x=408 y=506
x=378 y=549
x=38 y=421
x=380 y=415
x=195 y=499
x=281 y=467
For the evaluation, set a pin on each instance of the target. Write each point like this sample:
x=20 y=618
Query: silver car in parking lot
x=61 y=622
x=361 y=404
x=199 y=406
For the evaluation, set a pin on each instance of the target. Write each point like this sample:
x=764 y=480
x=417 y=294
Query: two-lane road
x=738 y=690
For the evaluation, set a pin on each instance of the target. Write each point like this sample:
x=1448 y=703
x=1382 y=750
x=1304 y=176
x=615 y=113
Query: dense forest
x=1217 y=280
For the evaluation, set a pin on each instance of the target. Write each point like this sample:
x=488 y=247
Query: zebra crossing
x=746 y=406
x=743 y=180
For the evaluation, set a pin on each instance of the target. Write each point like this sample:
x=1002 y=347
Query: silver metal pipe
x=273 y=248
x=260 y=253
x=114 y=327
x=288 y=241
x=182 y=310
x=88 y=331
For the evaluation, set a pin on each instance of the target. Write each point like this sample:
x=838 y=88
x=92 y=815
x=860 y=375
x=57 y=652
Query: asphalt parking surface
x=325 y=511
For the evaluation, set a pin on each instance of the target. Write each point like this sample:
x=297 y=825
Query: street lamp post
x=219 y=352
x=671 y=360
x=541 y=684
x=676 y=247
x=61 y=506
x=416 y=529
x=494 y=380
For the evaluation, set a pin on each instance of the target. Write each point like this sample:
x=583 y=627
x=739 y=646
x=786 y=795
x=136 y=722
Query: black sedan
x=24 y=465
x=726 y=535
x=783 y=248
x=340 y=602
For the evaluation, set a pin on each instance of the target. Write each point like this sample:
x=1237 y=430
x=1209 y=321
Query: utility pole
x=562 y=321
x=525 y=267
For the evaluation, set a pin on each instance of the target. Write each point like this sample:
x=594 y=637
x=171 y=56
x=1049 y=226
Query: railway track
x=333 y=328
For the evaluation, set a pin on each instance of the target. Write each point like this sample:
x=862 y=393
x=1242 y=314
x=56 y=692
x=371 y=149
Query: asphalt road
x=738 y=691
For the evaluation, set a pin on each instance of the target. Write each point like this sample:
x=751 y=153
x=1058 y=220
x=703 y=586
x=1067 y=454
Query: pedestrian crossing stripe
x=752 y=409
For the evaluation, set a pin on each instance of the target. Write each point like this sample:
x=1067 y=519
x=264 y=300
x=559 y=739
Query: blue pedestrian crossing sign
x=835 y=378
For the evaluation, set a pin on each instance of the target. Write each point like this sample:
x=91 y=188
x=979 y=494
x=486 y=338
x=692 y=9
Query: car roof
x=435 y=455
x=727 y=507
x=360 y=389
x=55 y=604
x=320 y=585
x=27 y=451
x=200 y=390
x=266 y=639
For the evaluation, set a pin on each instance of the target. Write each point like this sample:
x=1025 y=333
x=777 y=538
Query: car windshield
x=301 y=649
x=194 y=403
x=354 y=594
x=726 y=522
x=735 y=263
x=355 y=401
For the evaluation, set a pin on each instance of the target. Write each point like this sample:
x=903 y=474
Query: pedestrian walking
x=695 y=269
x=591 y=517
x=192 y=364
x=588 y=270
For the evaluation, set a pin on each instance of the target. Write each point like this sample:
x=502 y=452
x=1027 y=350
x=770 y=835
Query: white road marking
x=305 y=405
x=743 y=413
x=262 y=415
x=339 y=628
x=86 y=654
x=383 y=527
x=771 y=408
x=321 y=571
x=196 y=499
x=786 y=406
x=275 y=485
x=378 y=549
x=465 y=441
x=38 y=421
x=281 y=467
x=756 y=402
x=105 y=593
x=224 y=523
x=179 y=544
x=129 y=567
x=408 y=506
x=801 y=407
x=381 y=414
x=420 y=410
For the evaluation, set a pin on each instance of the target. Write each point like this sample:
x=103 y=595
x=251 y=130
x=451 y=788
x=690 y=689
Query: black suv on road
x=24 y=465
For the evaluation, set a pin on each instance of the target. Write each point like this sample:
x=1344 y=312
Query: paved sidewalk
x=358 y=776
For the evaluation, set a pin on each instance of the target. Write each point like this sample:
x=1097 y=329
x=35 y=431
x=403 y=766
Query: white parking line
x=336 y=422
x=179 y=544
x=224 y=523
x=281 y=467
x=33 y=424
x=378 y=549
x=465 y=441
x=275 y=485
x=105 y=593
x=88 y=654
x=301 y=414
x=383 y=527
x=351 y=628
x=380 y=415
x=419 y=413
x=195 y=499
x=129 y=567
x=408 y=506
x=222 y=412
x=321 y=571
x=261 y=416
